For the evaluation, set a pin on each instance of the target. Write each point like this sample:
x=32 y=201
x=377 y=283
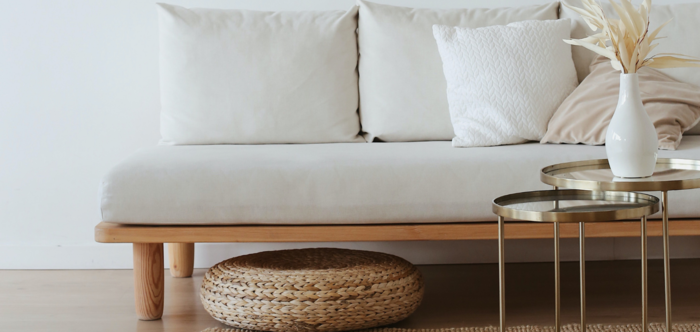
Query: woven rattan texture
x=565 y=328
x=320 y=289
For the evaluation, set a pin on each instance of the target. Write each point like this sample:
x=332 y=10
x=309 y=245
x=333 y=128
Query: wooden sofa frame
x=148 y=242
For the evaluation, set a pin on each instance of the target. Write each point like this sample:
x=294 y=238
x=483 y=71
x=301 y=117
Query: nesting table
x=560 y=206
x=598 y=196
x=669 y=174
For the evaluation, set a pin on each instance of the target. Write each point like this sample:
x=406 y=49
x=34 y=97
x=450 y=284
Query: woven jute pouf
x=320 y=289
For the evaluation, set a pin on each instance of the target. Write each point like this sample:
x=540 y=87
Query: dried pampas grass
x=626 y=41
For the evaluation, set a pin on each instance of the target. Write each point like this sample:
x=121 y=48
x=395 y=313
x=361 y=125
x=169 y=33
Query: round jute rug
x=655 y=327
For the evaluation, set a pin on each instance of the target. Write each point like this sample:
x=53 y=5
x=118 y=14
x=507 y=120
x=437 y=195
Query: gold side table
x=570 y=206
x=670 y=174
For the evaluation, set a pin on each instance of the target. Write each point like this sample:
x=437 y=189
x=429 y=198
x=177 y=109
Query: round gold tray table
x=572 y=206
x=669 y=174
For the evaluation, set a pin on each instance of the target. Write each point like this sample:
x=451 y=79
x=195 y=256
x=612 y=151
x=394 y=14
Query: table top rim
x=641 y=184
x=621 y=214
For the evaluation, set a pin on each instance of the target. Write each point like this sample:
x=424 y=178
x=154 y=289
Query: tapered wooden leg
x=149 y=280
x=181 y=257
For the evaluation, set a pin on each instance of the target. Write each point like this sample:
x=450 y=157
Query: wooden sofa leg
x=149 y=280
x=181 y=257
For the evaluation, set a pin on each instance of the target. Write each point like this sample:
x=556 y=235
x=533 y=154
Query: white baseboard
x=118 y=256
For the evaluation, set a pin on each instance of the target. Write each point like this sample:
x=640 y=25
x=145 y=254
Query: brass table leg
x=645 y=310
x=557 y=281
x=501 y=274
x=582 y=271
x=667 y=260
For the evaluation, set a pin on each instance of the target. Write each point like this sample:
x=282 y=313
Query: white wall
x=79 y=92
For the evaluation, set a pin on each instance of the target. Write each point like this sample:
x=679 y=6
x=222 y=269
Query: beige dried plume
x=626 y=41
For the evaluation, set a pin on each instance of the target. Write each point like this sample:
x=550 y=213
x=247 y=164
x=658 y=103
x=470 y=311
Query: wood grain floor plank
x=456 y=295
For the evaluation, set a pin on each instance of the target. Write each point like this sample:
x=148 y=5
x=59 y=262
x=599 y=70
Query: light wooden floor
x=456 y=295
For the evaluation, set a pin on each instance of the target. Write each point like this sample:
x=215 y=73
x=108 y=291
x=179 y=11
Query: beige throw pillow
x=583 y=117
x=681 y=32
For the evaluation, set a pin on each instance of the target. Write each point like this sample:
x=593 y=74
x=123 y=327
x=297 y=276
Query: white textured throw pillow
x=250 y=77
x=402 y=88
x=505 y=82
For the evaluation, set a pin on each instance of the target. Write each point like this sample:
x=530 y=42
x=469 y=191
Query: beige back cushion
x=583 y=117
x=681 y=32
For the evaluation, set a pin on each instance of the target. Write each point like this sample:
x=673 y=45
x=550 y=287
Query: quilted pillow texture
x=584 y=116
x=250 y=77
x=505 y=82
x=402 y=88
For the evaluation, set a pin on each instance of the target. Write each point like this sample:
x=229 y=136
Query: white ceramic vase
x=631 y=142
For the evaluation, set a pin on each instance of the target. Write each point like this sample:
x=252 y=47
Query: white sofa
x=343 y=183
x=414 y=187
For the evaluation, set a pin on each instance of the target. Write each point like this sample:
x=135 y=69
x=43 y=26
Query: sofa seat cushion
x=349 y=183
